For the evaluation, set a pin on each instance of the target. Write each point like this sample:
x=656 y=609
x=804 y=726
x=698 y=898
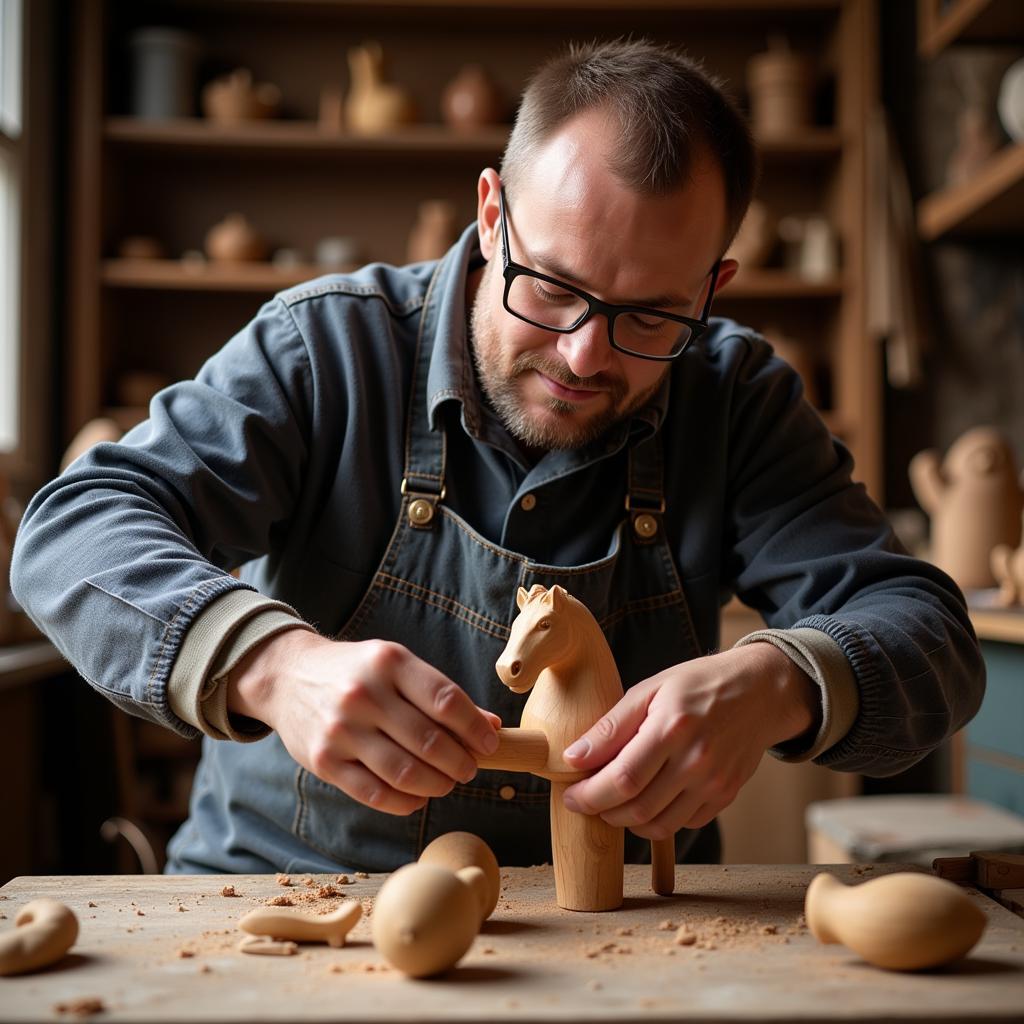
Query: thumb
x=610 y=733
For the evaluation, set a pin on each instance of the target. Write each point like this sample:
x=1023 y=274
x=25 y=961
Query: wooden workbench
x=148 y=960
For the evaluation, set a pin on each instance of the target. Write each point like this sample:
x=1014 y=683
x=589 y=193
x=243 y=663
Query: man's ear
x=488 y=217
x=726 y=272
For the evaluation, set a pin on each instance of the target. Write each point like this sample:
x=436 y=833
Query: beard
x=562 y=427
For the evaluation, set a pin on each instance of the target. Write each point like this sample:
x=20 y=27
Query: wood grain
x=531 y=961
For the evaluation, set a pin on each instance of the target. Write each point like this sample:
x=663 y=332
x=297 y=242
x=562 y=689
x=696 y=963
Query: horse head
x=542 y=635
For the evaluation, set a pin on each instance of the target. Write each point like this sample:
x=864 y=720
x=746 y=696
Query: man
x=391 y=454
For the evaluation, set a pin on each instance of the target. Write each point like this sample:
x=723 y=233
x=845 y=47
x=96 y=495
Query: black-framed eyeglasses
x=555 y=305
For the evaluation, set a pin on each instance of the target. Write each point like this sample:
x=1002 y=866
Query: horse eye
x=544 y=624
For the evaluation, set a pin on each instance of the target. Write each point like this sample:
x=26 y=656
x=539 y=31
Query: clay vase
x=235 y=240
x=434 y=232
x=233 y=99
x=781 y=86
x=374 y=105
x=904 y=922
x=472 y=100
x=975 y=503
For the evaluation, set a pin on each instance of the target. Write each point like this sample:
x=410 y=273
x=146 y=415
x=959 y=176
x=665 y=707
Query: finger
x=674 y=817
x=494 y=719
x=363 y=786
x=398 y=767
x=430 y=742
x=656 y=797
x=609 y=734
x=621 y=780
x=704 y=815
x=449 y=705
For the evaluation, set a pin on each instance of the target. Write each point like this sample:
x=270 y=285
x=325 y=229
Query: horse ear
x=558 y=596
x=521 y=598
x=537 y=590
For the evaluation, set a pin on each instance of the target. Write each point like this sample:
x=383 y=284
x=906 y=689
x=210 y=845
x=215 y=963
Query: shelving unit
x=297 y=182
x=942 y=23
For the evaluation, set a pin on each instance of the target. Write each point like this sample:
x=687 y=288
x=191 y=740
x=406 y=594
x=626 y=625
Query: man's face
x=572 y=219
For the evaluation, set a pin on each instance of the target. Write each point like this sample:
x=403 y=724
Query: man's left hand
x=678 y=747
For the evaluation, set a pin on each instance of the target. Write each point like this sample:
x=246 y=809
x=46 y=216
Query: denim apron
x=448 y=594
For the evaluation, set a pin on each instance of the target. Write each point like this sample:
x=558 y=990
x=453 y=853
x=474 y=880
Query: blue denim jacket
x=284 y=456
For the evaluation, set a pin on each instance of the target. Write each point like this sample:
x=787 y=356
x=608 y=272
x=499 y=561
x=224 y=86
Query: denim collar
x=452 y=375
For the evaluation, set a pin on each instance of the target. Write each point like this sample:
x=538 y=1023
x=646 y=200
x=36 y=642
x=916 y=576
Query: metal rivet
x=646 y=526
x=507 y=792
x=529 y=502
x=421 y=512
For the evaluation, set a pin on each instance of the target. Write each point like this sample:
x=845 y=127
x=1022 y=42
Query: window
x=10 y=221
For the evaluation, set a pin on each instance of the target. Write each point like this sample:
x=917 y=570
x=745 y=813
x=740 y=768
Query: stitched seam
x=125 y=601
x=445 y=607
x=444 y=597
x=353 y=291
x=644 y=604
x=417 y=368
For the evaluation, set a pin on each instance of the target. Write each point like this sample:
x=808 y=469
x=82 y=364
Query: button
x=421 y=512
x=529 y=502
x=507 y=792
x=646 y=525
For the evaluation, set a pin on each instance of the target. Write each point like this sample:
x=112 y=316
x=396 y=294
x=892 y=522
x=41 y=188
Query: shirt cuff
x=217 y=640
x=817 y=654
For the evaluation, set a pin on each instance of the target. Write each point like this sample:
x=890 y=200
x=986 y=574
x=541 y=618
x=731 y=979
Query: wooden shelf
x=779 y=284
x=967 y=21
x=176 y=275
x=1003 y=624
x=197 y=134
x=991 y=203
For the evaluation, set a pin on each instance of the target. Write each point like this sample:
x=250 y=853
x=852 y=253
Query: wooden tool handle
x=663 y=865
x=519 y=750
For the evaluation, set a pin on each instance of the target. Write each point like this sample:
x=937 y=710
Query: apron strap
x=645 y=495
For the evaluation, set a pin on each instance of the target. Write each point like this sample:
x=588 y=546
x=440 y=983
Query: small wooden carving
x=297 y=926
x=373 y=104
x=235 y=240
x=1008 y=569
x=44 y=931
x=975 y=503
x=905 y=921
x=558 y=652
x=458 y=850
x=472 y=100
x=234 y=98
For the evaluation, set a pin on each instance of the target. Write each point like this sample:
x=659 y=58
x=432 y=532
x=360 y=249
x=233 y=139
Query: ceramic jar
x=781 y=86
x=235 y=240
x=163 y=73
x=472 y=100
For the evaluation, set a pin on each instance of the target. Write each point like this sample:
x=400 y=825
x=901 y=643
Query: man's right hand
x=369 y=717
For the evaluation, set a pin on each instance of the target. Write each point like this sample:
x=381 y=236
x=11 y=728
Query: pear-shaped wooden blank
x=905 y=921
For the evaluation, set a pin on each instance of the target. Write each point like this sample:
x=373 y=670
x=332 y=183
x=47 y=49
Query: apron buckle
x=423 y=503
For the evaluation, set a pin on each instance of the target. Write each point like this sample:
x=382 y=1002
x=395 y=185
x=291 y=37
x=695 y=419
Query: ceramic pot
x=163 y=73
x=234 y=98
x=234 y=240
x=1011 y=101
x=781 y=86
x=373 y=104
x=472 y=100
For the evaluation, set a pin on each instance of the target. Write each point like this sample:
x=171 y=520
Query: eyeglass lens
x=550 y=306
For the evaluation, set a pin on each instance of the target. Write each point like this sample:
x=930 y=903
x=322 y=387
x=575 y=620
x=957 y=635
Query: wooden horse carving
x=558 y=652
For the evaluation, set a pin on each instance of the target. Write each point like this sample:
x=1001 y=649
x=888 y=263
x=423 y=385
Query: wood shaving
x=281 y=901
x=684 y=937
x=265 y=946
x=91 y=904
x=666 y=926
x=362 y=874
x=84 y=1007
x=326 y=892
x=283 y=879
x=308 y=882
x=185 y=954
x=344 y=880
x=228 y=890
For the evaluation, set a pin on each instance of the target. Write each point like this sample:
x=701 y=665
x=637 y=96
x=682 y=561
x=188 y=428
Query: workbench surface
x=157 y=948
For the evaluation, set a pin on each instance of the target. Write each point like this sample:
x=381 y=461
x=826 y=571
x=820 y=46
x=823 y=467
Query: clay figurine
x=975 y=503
x=141 y=247
x=1008 y=569
x=234 y=99
x=434 y=232
x=472 y=100
x=427 y=914
x=557 y=651
x=294 y=925
x=374 y=105
x=43 y=932
x=904 y=921
x=235 y=240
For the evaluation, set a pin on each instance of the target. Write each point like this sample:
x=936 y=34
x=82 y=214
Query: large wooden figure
x=558 y=652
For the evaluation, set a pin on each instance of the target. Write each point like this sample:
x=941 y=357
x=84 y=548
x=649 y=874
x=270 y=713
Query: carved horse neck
x=570 y=696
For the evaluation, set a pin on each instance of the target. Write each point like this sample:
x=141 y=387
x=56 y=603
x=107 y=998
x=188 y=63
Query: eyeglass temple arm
x=711 y=290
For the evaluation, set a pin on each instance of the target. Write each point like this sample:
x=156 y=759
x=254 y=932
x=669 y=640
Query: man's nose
x=587 y=350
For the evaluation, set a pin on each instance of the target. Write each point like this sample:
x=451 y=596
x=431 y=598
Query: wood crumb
x=182 y=909
x=283 y=879
x=769 y=929
x=336 y=969
x=684 y=937
x=362 y=874
x=185 y=954
x=91 y=904
x=666 y=925
x=623 y=931
x=326 y=892
x=141 y=913
x=594 y=985
x=228 y=890
x=624 y=950
x=308 y=882
x=265 y=946
x=344 y=880
x=205 y=969
x=83 y=1007
x=281 y=901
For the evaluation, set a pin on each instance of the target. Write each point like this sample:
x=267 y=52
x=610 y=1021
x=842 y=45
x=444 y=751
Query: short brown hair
x=667 y=108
